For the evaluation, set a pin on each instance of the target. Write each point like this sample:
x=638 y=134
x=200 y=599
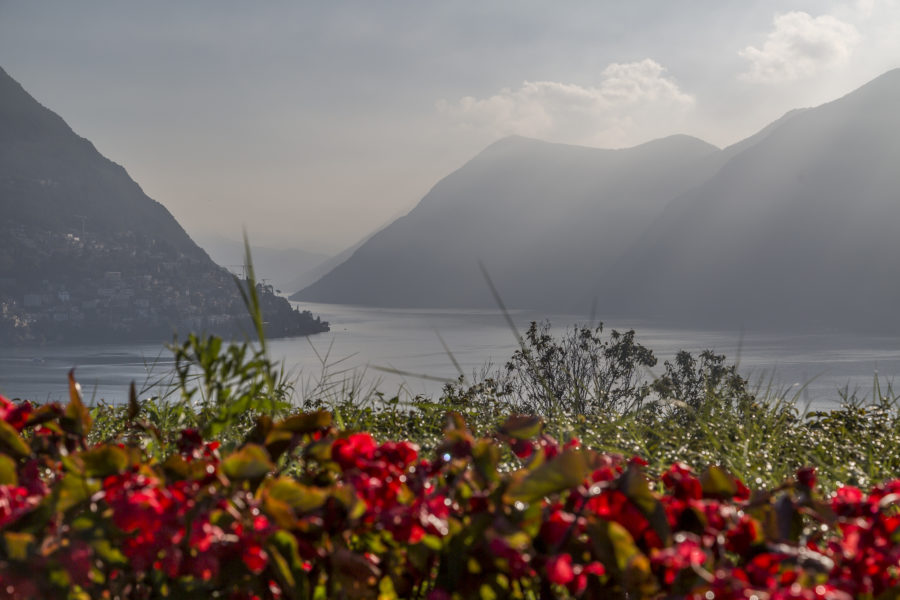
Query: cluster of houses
x=153 y=292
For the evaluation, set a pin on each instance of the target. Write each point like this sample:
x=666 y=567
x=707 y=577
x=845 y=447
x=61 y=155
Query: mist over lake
x=368 y=340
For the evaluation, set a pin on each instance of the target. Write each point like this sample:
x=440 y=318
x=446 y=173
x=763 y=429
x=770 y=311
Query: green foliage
x=501 y=510
x=581 y=373
x=699 y=410
x=218 y=388
x=228 y=387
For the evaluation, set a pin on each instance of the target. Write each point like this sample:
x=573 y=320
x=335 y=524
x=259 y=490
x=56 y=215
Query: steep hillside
x=85 y=255
x=797 y=229
x=542 y=218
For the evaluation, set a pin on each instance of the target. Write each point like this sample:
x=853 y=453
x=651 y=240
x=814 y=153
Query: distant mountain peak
x=790 y=227
x=677 y=140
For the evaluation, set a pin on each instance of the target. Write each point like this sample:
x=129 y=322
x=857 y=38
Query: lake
x=373 y=346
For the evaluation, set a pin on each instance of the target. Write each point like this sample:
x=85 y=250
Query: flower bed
x=303 y=510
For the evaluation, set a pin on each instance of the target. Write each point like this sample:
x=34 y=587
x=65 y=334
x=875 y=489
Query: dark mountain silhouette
x=540 y=216
x=797 y=229
x=85 y=255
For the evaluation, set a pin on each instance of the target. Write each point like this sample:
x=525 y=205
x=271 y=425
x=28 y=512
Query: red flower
x=743 y=492
x=351 y=452
x=15 y=414
x=522 y=448
x=555 y=527
x=743 y=535
x=559 y=569
x=189 y=441
x=669 y=562
x=807 y=477
x=255 y=558
x=848 y=502
x=682 y=482
x=573 y=444
x=15 y=502
x=399 y=454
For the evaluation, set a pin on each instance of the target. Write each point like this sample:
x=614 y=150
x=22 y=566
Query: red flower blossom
x=682 y=482
x=807 y=477
x=353 y=451
x=559 y=569
x=555 y=527
x=669 y=562
x=15 y=414
x=255 y=558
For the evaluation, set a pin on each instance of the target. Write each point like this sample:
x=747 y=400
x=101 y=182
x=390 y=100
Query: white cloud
x=865 y=7
x=631 y=103
x=800 y=46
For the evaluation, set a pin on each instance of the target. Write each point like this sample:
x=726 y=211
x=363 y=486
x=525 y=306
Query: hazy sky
x=313 y=123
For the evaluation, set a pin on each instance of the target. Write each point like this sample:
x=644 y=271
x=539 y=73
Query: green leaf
x=612 y=543
x=42 y=414
x=522 y=427
x=563 y=472
x=279 y=511
x=105 y=460
x=76 y=417
x=109 y=553
x=277 y=442
x=718 y=482
x=306 y=423
x=18 y=544
x=176 y=467
x=300 y=497
x=634 y=485
x=8 y=474
x=73 y=490
x=250 y=462
x=353 y=504
x=616 y=549
x=12 y=442
x=319 y=450
x=282 y=569
x=487 y=456
x=133 y=407
x=487 y=592
x=386 y=589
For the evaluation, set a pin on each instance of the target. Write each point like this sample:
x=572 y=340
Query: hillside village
x=148 y=296
x=86 y=256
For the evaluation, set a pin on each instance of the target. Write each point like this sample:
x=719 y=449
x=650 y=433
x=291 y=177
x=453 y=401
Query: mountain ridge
x=760 y=233
x=86 y=255
x=782 y=227
x=503 y=190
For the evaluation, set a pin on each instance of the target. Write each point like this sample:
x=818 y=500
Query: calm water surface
x=376 y=345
